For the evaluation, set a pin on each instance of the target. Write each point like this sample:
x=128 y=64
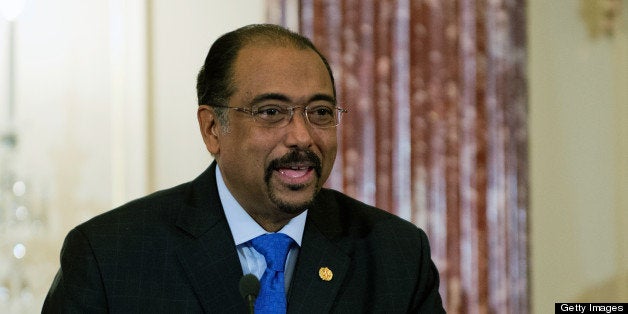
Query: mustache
x=295 y=156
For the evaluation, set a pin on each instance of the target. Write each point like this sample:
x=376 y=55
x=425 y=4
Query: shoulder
x=356 y=217
x=159 y=206
x=390 y=257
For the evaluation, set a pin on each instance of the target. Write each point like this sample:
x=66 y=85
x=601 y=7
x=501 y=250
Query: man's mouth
x=295 y=171
x=295 y=168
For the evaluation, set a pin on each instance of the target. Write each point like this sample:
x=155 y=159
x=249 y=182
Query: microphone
x=249 y=289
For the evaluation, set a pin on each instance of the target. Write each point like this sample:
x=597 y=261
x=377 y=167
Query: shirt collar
x=243 y=227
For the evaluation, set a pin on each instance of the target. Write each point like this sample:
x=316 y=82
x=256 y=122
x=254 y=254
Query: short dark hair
x=214 y=84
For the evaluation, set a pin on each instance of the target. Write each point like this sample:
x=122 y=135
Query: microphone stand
x=250 y=303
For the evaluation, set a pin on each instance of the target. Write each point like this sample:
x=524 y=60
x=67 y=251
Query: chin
x=293 y=209
x=293 y=205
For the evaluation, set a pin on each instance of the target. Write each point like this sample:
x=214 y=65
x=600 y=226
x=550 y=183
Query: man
x=267 y=113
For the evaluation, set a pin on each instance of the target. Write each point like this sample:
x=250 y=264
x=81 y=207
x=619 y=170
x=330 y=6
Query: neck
x=273 y=223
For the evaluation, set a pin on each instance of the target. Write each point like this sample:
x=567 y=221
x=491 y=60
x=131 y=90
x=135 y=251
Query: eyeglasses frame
x=253 y=114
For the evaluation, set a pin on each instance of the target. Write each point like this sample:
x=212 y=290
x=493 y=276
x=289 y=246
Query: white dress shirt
x=244 y=228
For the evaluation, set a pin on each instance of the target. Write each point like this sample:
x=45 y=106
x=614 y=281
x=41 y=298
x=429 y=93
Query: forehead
x=287 y=70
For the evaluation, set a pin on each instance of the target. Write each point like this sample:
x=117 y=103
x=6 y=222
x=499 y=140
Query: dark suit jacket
x=172 y=252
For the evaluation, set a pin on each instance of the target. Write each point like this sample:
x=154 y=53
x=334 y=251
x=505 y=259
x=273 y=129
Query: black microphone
x=249 y=289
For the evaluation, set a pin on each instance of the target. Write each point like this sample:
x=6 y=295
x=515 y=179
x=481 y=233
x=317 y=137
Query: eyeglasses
x=276 y=116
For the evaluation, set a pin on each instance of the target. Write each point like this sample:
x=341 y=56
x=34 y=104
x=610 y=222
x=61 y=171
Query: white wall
x=578 y=153
x=183 y=34
x=105 y=112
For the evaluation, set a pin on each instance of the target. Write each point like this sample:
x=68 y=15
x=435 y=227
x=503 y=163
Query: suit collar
x=202 y=208
x=208 y=253
x=323 y=252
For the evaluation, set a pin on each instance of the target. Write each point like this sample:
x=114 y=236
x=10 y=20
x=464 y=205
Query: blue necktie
x=272 y=295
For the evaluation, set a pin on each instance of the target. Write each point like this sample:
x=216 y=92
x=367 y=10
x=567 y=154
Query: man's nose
x=299 y=130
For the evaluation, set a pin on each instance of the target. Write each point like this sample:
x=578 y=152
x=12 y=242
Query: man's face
x=275 y=172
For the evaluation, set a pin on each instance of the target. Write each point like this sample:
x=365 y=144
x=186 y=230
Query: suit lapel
x=322 y=249
x=208 y=253
x=209 y=258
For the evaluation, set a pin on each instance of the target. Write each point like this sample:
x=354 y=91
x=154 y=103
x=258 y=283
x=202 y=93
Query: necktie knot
x=274 y=247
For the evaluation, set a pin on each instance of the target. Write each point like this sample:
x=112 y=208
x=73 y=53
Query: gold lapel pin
x=325 y=273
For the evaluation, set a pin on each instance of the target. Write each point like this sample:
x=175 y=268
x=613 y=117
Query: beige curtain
x=437 y=130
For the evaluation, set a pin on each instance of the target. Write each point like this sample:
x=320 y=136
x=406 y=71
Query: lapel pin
x=325 y=273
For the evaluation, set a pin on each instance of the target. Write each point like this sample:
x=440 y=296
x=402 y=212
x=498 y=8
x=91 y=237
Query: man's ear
x=209 y=125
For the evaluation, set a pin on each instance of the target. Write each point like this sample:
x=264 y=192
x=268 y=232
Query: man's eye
x=322 y=111
x=269 y=111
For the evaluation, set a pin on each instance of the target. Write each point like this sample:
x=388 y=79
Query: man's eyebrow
x=284 y=98
x=270 y=96
x=323 y=97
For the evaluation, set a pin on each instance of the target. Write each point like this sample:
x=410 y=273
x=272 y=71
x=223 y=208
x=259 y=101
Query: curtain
x=436 y=131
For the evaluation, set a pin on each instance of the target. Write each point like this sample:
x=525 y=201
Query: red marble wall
x=436 y=131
